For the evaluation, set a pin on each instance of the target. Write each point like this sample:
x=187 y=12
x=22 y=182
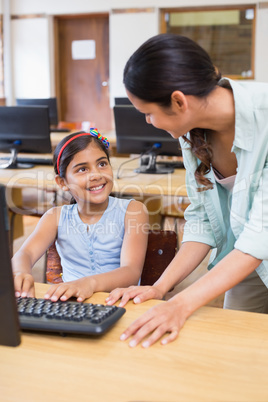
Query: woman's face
x=172 y=119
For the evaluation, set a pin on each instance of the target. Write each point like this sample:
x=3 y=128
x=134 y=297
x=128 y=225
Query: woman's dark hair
x=166 y=63
x=75 y=146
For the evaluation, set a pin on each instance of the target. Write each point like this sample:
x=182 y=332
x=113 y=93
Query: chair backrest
x=162 y=247
x=70 y=125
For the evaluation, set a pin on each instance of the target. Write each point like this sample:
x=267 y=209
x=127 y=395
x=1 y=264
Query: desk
x=58 y=136
x=129 y=183
x=148 y=188
x=220 y=355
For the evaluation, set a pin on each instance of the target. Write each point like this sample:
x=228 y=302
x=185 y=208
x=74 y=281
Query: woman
x=222 y=126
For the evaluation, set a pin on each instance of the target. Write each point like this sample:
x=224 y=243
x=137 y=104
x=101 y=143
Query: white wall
x=261 y=53
x=31 y=56
x=32 y=37
x=81 y=6
x=126 y=36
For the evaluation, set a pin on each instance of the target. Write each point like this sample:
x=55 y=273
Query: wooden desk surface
x=220 y=355
x=129 y=182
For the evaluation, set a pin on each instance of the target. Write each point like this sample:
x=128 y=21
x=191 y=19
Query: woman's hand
x=24 y=285
x=164 y=318
x=81 y=289
x=139 y=294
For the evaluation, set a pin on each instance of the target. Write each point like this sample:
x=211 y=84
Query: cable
x=157 y=145
x=129 y=160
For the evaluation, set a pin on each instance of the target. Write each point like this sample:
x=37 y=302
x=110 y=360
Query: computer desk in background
x=138 y=184
x=57 y=137
x=219 y=355
x=148 y=188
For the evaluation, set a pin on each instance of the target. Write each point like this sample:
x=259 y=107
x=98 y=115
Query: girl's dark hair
x=75 y=146
x=166 y=63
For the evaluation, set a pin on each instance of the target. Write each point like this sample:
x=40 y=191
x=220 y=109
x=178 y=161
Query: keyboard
x=66 y=317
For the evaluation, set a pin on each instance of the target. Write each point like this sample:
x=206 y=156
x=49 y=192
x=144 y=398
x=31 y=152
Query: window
x=227 y=34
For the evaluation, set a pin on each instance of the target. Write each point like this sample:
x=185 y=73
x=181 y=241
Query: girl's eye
x=82 y=169
x=103 y=164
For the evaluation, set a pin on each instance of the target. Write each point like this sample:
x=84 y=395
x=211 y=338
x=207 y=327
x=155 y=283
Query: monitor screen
x=135 y=136
x=122 y=101
x=51 y=103
x=24 y=129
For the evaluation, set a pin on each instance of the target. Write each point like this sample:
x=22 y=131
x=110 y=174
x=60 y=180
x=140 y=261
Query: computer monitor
x=51 y=103
x=135 y=136
x=23 y=129
x=9 y=322
x=122 y=101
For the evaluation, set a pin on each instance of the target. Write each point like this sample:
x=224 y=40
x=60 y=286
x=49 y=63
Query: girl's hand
x=139 y=294
x=24 y=285
x=81 y=289
x=159 y=320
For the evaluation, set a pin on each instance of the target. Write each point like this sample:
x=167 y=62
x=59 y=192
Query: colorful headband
x=92 y=132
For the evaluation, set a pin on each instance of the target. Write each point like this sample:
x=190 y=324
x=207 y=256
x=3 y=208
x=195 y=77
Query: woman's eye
x=103 y=164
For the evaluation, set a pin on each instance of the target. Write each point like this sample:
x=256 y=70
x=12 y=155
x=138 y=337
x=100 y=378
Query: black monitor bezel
x=23 y=129
x=9 y=322
x=122 y=101
x=135 y=136
x=51 y=103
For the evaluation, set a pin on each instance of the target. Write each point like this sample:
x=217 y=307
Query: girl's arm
x=132 y=259
x=31 y=250
x=170 y=316
x=189 y=256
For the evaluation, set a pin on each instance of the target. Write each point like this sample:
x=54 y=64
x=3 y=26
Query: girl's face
x=89 y=176
x=172 y=119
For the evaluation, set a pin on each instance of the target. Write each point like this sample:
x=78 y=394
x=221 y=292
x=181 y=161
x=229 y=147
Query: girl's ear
x=61 y=183
x=180 y=100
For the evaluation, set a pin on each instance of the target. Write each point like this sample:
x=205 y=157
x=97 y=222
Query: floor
x=39 y=268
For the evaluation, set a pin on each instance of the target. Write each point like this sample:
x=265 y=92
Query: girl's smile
x=97 y=189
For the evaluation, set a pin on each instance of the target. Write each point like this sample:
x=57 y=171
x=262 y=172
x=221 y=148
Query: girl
x=223 y=130
x=97 y=236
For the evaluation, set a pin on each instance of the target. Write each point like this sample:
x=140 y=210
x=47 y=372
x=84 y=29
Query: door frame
x=56 y=19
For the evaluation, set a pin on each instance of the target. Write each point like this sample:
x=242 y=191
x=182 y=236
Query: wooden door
x=83 y=84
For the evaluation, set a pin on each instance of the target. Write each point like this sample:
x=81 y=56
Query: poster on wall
x=83 y=49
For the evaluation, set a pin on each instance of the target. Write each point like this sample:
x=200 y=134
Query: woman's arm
x=189 y=256
x=131 y=262
x=31 y=250
x=170 y=316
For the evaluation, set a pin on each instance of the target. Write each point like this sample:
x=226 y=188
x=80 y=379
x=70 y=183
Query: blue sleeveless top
x=91 y=249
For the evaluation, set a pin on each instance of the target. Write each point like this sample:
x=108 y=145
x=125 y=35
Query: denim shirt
x=247 y=209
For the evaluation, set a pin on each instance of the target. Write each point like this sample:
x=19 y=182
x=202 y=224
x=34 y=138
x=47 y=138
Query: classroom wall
x=32 y=38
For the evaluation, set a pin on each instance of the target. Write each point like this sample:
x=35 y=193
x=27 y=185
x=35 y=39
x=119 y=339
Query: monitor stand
x=11 y=161
x=148 y=165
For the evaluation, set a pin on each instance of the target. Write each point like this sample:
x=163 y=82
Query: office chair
x=70 y=125
x=161 y=249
